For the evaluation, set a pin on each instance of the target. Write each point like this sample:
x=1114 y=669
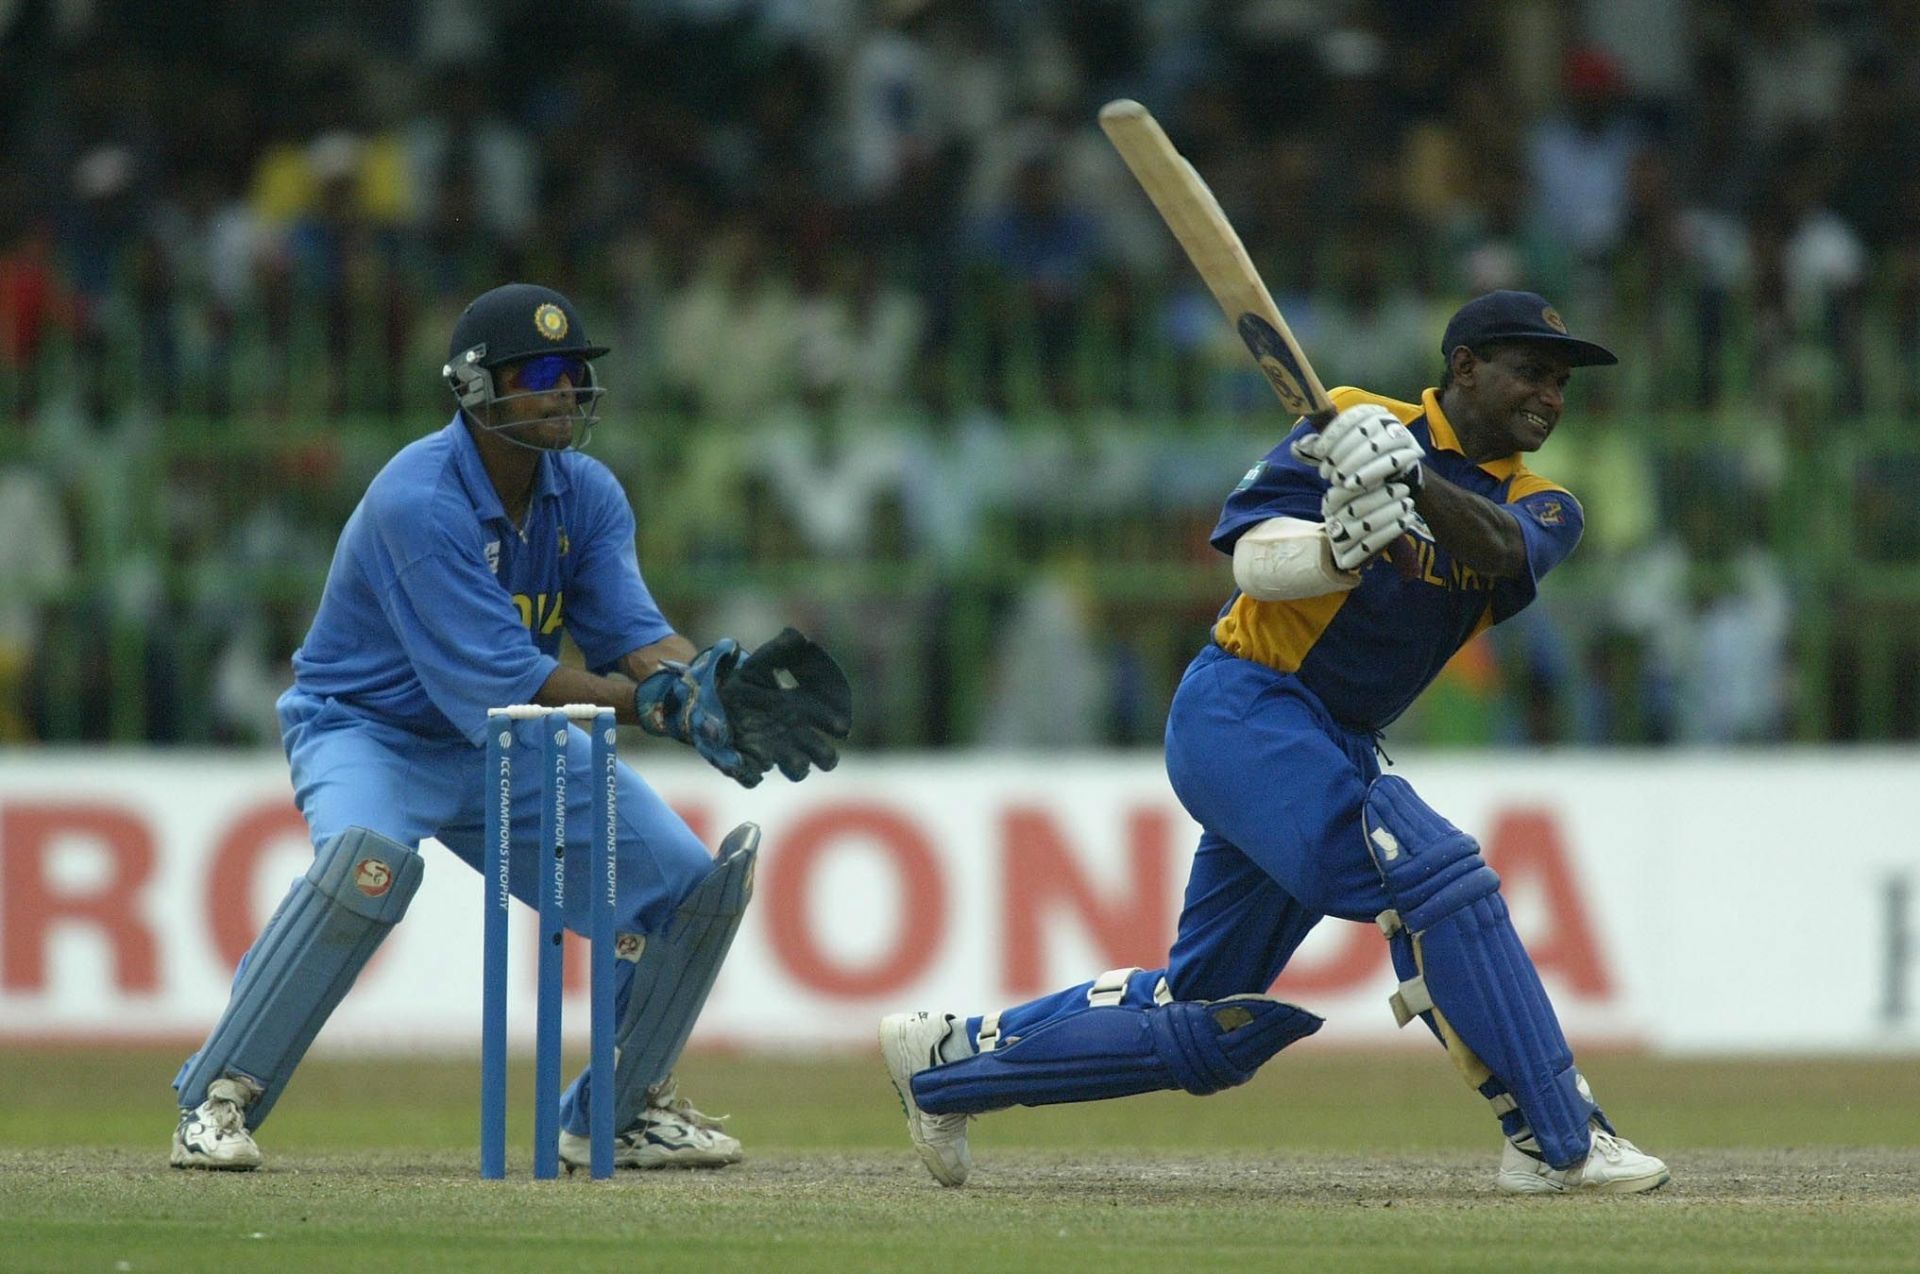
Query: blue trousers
x=1276 y=786
x=349 y=771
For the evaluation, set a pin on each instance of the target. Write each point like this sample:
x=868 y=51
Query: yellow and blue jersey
x=438 y=607
x=1366 y=653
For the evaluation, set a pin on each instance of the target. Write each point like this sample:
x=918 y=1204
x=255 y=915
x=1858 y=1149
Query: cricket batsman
x=469 y=555
x=1271 y=745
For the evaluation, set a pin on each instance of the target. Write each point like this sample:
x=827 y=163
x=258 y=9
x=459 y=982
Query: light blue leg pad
x=674 y=975
x=1464 y=970
x=322 y=935
x=1201 y=1046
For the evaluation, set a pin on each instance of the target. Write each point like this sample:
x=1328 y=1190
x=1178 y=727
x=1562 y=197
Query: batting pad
x=1202 y=1046
x=676 y=972
x=322 y=935
x=1463 y=969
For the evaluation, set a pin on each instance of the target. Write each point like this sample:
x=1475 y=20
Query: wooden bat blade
x=1187 y=205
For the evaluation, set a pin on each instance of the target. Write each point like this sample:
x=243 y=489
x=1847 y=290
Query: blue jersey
x=437 y=607
x=1368 y=652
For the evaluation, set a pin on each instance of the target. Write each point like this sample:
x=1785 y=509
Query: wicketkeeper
x=470 y=554
x=1271 y=745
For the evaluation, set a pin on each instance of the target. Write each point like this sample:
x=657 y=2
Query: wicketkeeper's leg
x=304 y=961
x=677 y=910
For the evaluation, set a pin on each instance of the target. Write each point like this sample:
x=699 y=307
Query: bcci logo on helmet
x=551 y=320
x=372 y=877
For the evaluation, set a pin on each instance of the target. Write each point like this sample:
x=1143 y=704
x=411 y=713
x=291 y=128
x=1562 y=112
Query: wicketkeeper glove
x=1362 y=523
x=1364 y=447
x=684 y=702
x=788 y=702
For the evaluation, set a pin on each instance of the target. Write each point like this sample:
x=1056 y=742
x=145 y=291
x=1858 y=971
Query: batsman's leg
x=1123 y=1032
x=1464 y=970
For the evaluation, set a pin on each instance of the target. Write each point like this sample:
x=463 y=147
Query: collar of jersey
x=1440 y=431
x=549 y=482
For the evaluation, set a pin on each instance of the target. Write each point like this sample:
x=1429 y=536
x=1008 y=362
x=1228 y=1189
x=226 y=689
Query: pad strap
x=1110 y=988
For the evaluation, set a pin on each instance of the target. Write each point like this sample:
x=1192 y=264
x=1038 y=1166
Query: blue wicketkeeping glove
x=682 y=701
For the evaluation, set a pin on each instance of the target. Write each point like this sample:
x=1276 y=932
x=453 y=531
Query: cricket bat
x=1188 y=207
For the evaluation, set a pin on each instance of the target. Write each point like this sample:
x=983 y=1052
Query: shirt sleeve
x=1278 y=487
x=1550 y=521
x=610 y=611
x=460 y=631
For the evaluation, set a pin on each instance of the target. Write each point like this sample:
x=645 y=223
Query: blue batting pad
x=1201 y=1046
x=322 y=935
x=1464 y=969
x=674 y=975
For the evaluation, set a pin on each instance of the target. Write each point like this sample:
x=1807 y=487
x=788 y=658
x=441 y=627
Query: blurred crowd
x=900 y=352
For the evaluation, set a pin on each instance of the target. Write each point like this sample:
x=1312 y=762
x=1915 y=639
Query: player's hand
x=789 y=702
x=1360 y=524
x=685 y=702
x=1364 y=447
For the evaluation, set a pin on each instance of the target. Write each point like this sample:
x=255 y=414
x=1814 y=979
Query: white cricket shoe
x=1613 y=1166
x=214 y=1133
x=668 y=1133
x=911 y=1043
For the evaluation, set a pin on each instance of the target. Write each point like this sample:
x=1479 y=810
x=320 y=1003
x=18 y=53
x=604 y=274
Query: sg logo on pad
x=372 y=877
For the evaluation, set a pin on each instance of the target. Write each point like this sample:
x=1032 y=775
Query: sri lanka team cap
x=1518 y=316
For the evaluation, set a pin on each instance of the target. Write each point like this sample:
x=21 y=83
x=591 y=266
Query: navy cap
x=1518 y=316
x=520 y=320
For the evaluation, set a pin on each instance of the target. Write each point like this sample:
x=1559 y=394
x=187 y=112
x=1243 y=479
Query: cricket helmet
x=521 y=323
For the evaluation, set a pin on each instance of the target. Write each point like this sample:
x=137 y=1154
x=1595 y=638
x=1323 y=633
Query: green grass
x=1328 y=1160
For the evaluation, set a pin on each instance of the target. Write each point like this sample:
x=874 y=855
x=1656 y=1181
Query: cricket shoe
x=911 y=1043
x=214 y=1134
x=1613 y=1166
x=668 y=1133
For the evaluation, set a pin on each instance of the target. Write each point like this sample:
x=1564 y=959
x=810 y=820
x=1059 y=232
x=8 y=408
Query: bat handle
x=1405 y=557
x=1402 y=553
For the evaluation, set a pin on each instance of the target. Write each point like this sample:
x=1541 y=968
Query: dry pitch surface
x=1328 y=1160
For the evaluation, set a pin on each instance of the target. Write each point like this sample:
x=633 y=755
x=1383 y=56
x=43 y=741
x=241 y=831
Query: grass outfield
x=1359 y=1161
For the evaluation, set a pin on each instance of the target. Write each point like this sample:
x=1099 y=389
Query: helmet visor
x=543 y=372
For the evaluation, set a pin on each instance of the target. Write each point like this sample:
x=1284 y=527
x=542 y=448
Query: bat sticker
x=1277 y=362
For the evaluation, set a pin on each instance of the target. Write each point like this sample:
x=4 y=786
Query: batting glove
x=1361 y=523
x=1364 y=447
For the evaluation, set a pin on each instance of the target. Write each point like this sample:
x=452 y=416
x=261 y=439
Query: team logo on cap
x=1549 y=316
x=552 y=321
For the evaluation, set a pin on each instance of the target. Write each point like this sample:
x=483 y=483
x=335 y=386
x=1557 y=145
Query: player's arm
x=576 y=685
x=644 y=662
x=567 y=685
x=1478 y=532
x=1283 y=559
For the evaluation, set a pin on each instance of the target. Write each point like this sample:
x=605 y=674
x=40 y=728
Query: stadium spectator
x=895 y=226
